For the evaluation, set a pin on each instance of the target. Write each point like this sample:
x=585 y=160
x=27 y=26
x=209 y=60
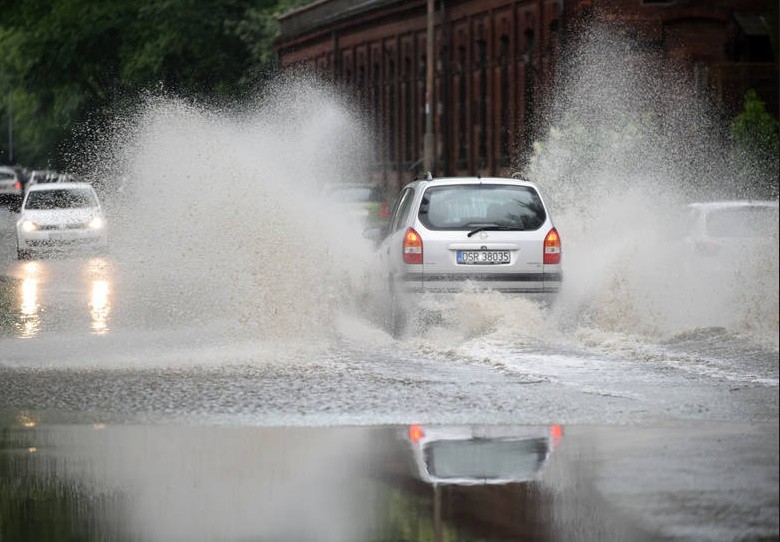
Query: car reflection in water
x=481 y=455
x=482 y=475
x=38 y=281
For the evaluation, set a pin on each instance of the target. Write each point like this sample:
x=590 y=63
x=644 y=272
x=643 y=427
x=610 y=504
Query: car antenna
x=429 y=177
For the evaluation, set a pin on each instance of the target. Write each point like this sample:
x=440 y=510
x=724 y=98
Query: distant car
x=67 y=178
x=492 y=233
x=60 y=216
x=361 y=201
x=723 y=229
x=10 y=183
x=481 y=455
x=40 y=176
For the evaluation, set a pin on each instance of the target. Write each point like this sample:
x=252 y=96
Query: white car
x=40 y=176
x=60 y=216
x=491 y=233
x=726 y=229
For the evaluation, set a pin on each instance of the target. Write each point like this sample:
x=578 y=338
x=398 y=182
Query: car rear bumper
x=510 y=283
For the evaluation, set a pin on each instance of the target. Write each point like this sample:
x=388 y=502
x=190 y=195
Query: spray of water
x=221 y=218
x=631 y=144
x=218 y=214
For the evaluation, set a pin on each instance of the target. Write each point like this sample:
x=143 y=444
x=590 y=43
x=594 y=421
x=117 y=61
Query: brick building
x=496 y=63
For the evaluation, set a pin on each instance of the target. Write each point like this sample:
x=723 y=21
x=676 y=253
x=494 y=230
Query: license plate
x=487 y=257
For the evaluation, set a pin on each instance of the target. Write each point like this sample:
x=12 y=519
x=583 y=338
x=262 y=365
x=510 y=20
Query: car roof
x=58 y=186
x=452 y=181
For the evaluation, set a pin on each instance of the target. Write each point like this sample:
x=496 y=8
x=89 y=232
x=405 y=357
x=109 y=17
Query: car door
x=391 y=249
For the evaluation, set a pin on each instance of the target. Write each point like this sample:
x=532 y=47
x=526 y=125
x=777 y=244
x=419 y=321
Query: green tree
x=66 y=64
x=756 y=152
x=58 y=59
x=258 y=30
x=187 y=47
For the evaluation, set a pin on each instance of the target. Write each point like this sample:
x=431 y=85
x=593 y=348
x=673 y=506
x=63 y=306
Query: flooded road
x=225 y=372
x=175 y=424
x=703 y=481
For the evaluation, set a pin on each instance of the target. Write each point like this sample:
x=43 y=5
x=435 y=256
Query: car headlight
x=97 y=223
x=29 y=225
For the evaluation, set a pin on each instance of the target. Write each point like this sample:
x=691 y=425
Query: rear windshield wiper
x=495 y=228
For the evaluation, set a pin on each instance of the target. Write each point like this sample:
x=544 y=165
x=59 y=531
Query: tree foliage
x=64 y=62
x=756 y=152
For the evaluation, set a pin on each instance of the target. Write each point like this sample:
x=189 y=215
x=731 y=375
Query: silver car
x=719 y=229
x=490 y=233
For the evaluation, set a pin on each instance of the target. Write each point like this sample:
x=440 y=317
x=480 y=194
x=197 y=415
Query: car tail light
x=18 y=185
x=413 y=247
x=552 y=247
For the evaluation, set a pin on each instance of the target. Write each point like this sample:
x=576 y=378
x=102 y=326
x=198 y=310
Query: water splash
x=217 y=214
x=630 y=144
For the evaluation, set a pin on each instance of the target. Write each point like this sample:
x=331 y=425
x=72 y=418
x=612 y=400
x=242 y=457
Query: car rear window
x=454 y=207
x=6 y=175
x=758 y=221
x=72 y=198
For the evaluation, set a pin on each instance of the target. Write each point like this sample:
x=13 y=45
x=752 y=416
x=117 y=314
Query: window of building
x=504 y=105
x=392 y=103
x=409 y=110
x=462 y=105
x=482 y=101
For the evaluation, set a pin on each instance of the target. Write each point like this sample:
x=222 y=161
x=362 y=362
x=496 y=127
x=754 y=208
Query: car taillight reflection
x=552 y=247
x=416 y=433
x=413 y=247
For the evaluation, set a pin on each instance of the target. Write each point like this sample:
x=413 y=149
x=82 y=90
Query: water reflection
x=101 y=481
x=468 y=455
x=482 y=479
x=29 y=306
x=28 y=420
x=98 y=272
x=45 y=299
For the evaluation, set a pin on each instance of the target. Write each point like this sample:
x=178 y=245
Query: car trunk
x=443 y=272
